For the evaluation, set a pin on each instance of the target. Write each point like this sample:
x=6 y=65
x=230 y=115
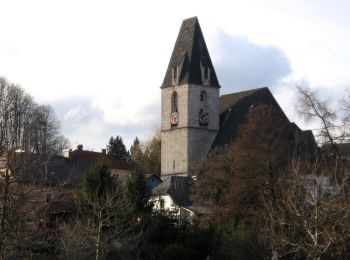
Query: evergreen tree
x=147 y=162
x=117 y=149
x=95 y=183
x=137 y=188
x=152 y=156
x=137 y=157
x=139 y=193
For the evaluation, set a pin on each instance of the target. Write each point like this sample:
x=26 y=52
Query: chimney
x=80 y=147
x=103 y=151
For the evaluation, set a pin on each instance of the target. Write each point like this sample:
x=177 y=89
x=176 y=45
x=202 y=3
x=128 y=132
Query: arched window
x=204 y=100
x=203 y=96
x=174 y=102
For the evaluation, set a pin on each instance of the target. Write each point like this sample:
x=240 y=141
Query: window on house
x=205 y=71
x=174 y=164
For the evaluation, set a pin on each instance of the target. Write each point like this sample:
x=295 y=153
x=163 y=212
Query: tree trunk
x=3 y=210
x=98 y=238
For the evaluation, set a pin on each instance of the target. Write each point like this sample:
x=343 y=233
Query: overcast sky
x=100 y=63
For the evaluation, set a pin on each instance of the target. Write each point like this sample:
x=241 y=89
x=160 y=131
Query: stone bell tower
x=190 y=103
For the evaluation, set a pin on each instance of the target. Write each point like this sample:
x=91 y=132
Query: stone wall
x=186 y=143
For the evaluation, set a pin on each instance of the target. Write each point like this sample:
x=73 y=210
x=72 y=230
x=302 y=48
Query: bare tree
x=107 y=218
x=45 y=137
x=345 y=110
x=15 y=109
x=310 y=218
x=311 y=107
x=105 y=213
x=18 y=162
x=59 y=144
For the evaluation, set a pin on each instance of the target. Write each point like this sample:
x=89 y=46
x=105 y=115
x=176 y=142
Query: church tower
x=190 y=103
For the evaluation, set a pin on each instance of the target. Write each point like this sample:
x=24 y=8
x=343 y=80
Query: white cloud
x=75 y=114
x=111 y=56
x=242 y=64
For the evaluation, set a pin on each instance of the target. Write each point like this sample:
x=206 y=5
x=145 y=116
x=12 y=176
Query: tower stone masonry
x=190 y=103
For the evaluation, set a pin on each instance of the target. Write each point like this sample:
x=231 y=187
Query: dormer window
x=176 y=72
x=174 y=75
x=205 y=71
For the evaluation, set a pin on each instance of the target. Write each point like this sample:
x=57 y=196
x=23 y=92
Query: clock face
x=174 y=118
x=203 y=119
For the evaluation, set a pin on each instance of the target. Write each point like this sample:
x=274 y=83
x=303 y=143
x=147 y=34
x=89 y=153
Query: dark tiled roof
x=178 y=188
x=228 y=100
x=303 y=142
x=233 y=113
x=190 y=47
x=65 y=171
x=309 y=139
x=234 y=109
x=96 y=157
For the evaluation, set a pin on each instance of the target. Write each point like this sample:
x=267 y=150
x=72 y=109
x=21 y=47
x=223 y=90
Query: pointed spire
x=190 y=61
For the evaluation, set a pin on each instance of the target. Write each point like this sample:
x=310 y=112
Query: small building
x=173 y=195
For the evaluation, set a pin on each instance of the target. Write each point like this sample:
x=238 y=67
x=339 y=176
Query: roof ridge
x=244 y=91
